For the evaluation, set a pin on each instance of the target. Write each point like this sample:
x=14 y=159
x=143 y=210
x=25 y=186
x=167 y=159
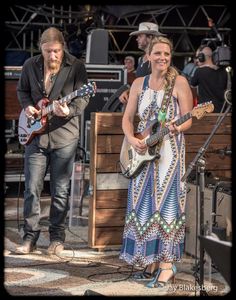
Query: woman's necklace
x=157 y=86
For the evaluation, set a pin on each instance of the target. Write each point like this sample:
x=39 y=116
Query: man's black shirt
x=211 y=84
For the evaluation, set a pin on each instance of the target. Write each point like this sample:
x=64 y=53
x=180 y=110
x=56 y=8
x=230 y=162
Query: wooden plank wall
x=12 y=106
x=108 y=202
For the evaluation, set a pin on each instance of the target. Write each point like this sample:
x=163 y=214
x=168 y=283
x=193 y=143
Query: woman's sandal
x=144 y=275
x=160 y=284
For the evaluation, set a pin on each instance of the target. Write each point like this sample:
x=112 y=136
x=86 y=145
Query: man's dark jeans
x=61 y=164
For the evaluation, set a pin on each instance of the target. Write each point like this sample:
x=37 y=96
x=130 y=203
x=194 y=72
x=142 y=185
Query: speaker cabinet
x=97 y=47
x=223 y=217
x=108 y=78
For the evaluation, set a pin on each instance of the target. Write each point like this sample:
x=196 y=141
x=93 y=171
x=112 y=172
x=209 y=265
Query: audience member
x=145 y=34
x=209 y=81
x=190 y=68
x=188 y=72
x=129 y=63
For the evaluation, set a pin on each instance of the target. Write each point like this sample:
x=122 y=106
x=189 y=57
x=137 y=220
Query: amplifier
x=12 y=72
x=223 y=227
x=108 y=78
x=12 y=105
x=97 y=46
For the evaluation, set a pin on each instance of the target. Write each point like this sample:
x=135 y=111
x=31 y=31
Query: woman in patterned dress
x=154 y=229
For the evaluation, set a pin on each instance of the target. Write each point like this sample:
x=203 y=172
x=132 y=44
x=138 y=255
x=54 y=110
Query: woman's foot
x=148 y=272
x=166 y=272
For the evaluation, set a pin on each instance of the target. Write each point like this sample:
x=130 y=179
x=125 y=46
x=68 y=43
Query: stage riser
x=107 y=205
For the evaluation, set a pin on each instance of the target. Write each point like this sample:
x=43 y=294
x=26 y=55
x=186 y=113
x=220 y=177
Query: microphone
x=224 y=152
x=228 y=93
x=212 y=25
x=209 y=40
x=228 y=96
x=228 y=152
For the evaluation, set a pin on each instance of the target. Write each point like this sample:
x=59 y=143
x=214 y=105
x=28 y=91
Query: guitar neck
x=67 y=99
x=153 y=139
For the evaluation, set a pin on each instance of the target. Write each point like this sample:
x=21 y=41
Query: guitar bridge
x=130 y=154
x=152 y=150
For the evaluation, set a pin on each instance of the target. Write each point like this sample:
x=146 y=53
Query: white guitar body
x=131 y=161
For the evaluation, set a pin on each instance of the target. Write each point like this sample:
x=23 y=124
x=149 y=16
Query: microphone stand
x=199 y=161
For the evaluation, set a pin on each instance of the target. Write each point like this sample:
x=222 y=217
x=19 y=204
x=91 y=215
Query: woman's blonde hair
x=171 y=71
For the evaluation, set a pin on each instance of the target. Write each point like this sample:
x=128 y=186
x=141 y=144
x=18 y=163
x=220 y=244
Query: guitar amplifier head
x=108 y=78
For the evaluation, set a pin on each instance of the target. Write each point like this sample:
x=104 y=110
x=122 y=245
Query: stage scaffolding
x=186 y=25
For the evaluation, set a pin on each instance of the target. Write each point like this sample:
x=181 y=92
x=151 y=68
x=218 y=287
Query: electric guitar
x=29 y=127
x=131 y=162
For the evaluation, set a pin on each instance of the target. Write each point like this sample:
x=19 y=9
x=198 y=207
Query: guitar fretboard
x=153 y=139
x=46 y=110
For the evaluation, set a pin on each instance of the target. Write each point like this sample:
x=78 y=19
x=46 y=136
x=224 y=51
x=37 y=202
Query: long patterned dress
x=155 y=219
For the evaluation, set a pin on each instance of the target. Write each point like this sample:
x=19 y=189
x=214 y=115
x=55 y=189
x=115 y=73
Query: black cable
x=120 y=164
x=195 y=274
x=63 y=260
x=18 y=206
x=112 y=273
x=78 y=156
x=113 y=102
x=18 y=197
x=68 y=228
x=33 y=265
x=90 y=264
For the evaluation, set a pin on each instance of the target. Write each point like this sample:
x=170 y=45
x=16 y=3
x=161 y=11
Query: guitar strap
x=164 y=106
x=165 y=101
x=59 y=83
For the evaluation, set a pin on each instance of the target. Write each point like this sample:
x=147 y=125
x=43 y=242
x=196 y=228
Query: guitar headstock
x=87 y=90
x=201 y=109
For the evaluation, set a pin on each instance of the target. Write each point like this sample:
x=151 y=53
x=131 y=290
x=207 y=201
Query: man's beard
x=54 y=66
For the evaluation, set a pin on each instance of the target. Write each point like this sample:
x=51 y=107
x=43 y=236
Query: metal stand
x=199 y=161
x=201 y=165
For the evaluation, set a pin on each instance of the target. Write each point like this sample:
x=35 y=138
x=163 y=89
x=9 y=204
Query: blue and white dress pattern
x=155 y=219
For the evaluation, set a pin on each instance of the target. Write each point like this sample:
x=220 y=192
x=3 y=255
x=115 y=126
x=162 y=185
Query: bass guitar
x=131 y=162
x=29 y=127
